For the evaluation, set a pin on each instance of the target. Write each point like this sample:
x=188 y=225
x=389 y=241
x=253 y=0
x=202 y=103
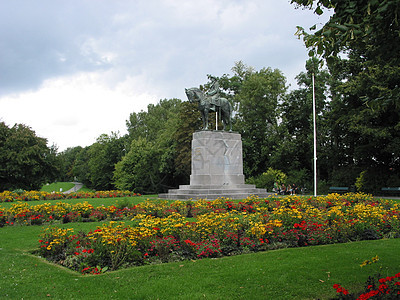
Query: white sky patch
x=75 y=111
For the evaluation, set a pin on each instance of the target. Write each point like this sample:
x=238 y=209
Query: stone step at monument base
x=212 y=192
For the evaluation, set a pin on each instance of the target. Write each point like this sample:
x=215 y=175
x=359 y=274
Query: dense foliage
x=26 y=162
x=361 y=44
x=368 y=29
x=257 y=118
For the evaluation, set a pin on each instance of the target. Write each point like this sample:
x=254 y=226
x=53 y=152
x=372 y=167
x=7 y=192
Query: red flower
x=189 y=242
x=339 y=289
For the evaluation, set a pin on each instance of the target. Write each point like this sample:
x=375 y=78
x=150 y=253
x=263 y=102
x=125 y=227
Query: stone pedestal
x=217 y=159
x=217 y=169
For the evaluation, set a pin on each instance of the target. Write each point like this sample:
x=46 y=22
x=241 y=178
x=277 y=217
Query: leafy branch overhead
x=371 y=21
x=364 y=30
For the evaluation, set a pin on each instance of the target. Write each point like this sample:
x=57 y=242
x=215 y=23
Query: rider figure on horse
x=213 y=94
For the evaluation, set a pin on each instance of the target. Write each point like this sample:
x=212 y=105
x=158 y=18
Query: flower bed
x=21 y=213
x=375 y=288
x=8 y=196
x=161 y=232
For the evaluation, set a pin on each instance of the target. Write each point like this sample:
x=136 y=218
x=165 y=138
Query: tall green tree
x=67 y=160
x=295 y=152
x=257 y=118
x=361 y=43
x=139 y=169
x=231 y=85
x=157 y=128
x=26 y=162
x=255 y=96
x=103 y=155
x=150 y=123
x=188 y=121
x=80 y=168
x=362 y=139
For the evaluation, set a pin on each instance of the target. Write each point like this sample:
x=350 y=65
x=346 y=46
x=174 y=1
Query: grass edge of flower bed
x=298 y=272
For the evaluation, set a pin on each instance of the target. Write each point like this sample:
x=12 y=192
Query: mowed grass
x=96 y=202
x=297 y=273
x=56 y=186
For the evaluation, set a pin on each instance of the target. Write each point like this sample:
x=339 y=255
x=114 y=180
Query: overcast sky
x=73 y=70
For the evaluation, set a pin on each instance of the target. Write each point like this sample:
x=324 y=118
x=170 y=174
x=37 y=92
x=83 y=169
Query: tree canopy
x=153 y=162
x=26 y=162
x=366 y=30
x=257 y=118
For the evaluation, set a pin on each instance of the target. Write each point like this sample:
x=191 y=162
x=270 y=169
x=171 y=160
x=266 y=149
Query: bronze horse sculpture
x=206 y=104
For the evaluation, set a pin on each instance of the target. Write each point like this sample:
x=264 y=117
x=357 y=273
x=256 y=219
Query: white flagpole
x=315 y=138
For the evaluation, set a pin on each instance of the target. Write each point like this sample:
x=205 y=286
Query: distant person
x=283 y=189
x=276 y=188
x=294 y=189
x=289 y=190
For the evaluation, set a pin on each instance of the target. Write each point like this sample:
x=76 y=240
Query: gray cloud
x=43 y=39
x=168 y=41
x=105 y=59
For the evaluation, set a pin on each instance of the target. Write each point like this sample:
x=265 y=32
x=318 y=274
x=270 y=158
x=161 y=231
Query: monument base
x=217 y=169
x=212 y=192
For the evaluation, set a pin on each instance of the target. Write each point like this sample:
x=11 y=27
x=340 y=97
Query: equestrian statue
x=211 y=102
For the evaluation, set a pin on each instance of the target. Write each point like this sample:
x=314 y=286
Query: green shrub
x=19 y=191
x=361 y=181
x=323 y=187
x=267 y=179
x=299 y=177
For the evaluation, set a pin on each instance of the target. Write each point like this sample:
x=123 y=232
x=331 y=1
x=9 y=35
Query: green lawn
x=300 y=273
x=85 y=189
x=56 y=186
x=93 y=201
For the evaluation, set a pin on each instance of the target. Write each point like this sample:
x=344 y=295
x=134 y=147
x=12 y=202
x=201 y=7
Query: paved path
x=77 y=186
